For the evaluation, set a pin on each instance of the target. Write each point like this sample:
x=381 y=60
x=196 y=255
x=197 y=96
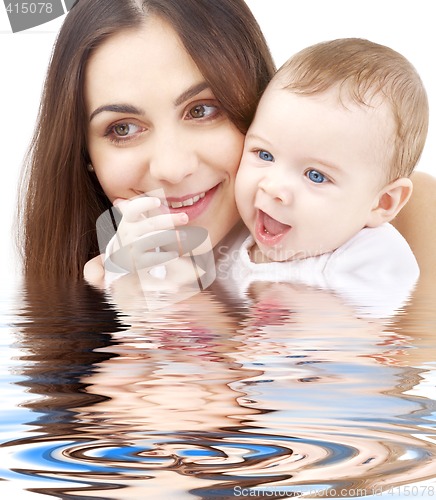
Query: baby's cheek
x=244 y=202
x=246 y=178
x=239 y=185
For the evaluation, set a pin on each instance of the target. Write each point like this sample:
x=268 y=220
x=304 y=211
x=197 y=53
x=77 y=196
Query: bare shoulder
x=416 y=222
x=424 y=183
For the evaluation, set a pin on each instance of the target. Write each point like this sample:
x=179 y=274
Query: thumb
x=120 y=204
x=117 y=201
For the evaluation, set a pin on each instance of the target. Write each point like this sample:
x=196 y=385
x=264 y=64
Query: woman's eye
x=198 y=111
x=122 y=129
x=122 y=132
x=316 y=176
x=202 y=111
x=265 y=156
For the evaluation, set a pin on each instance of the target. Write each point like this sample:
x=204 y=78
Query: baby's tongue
x=273 y=226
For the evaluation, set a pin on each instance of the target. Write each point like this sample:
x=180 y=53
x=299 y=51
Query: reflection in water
x=287 y=390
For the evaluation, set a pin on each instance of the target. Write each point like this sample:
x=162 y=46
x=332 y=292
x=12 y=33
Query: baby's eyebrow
x=117 y=108
x=258 y=138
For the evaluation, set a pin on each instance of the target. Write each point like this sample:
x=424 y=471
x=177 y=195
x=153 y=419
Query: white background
x=289 y=25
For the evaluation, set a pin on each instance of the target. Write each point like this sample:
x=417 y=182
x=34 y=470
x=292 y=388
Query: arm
x=416 y=222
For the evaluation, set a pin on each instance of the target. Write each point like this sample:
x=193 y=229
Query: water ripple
x=228 y=459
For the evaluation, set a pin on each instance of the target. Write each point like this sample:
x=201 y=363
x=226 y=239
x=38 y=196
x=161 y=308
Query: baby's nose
x=276 y=188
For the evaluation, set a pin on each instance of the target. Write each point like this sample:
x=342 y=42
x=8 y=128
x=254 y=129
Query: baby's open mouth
x=270 y=231
x=272 y=226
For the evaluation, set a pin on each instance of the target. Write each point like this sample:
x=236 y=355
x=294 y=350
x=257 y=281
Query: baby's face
x=310 y=173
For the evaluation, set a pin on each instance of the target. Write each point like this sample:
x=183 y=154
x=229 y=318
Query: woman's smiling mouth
x=187 y=202
x=192 y=205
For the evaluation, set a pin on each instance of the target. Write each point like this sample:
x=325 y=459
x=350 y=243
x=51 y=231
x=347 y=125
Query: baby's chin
x=261 y=255
x=264 y=254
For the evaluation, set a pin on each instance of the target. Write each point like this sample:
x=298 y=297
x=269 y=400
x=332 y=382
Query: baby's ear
x=389 y=201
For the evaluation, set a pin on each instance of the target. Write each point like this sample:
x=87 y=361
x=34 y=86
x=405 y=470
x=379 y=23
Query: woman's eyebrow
x=191 y=92
x=128 y=108
x=117 y=108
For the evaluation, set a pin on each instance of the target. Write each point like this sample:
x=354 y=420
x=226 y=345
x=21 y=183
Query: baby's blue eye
x=265 y=156
x=316 y=176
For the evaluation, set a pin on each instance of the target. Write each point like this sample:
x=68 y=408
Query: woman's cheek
x=117 y=173
x=235 y=151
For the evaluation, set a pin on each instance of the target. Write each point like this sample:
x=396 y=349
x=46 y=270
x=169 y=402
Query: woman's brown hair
x=60 y=200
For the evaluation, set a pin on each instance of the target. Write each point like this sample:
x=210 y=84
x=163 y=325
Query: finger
x=128 y=259
x=158 y=223
x=188 y=239
x=166 y=240
x=93 y=271
x=179 y=240
x=134 y=210
x=119 y=201
x=148 y=260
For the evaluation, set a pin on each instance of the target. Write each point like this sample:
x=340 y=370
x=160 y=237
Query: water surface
x=288 y=392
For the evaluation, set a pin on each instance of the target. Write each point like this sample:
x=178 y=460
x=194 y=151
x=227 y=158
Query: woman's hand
x=145 y=226
x=146 y=236
x=93 y=271
x=150 y=246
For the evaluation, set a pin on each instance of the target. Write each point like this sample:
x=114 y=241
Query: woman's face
x=155 y=124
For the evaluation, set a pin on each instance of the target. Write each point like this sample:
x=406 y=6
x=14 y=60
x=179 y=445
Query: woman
x=62 y=197
x=93 y=147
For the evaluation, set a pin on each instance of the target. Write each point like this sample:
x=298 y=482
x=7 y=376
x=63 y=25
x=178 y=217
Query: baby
x=326 y=166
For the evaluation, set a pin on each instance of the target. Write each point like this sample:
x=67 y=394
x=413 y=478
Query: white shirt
x=375 y=271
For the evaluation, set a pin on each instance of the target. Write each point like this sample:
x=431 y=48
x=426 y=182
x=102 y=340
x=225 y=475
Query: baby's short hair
x=364 y=70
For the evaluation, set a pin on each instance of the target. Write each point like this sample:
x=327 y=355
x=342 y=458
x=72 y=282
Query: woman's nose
x=172 y=160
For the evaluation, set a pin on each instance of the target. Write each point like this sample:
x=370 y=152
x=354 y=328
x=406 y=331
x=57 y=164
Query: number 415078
x=29 y=8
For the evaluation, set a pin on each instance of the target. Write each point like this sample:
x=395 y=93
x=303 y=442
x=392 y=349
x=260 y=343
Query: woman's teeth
x=185 y=203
